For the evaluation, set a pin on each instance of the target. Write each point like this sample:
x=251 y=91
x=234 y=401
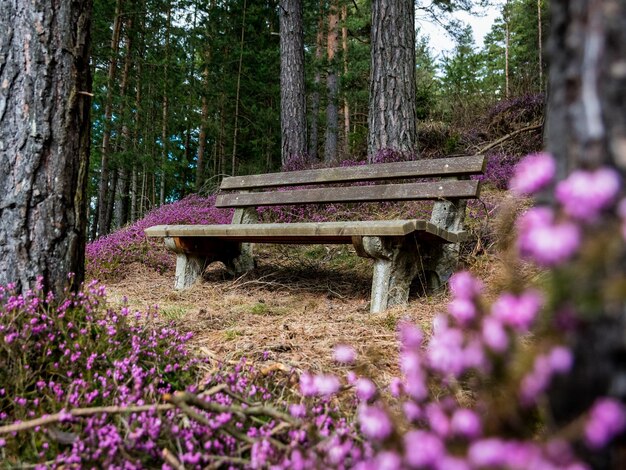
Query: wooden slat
x=454 y=166
x=388 y=192
x=305 y=232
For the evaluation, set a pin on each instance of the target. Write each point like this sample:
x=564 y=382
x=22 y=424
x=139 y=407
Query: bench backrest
x=268 y=189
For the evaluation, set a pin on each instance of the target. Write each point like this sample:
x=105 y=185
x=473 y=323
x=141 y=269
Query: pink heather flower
x=607 y=419
x=374 y=422
x=445 y=352
x=487 y=453
x=422 y=449
x=533 y=173
x=474 y=356
x=395 y=387
x=534 y=383
x=437 y=419
x=344 y=354
x=560 y=359
x=463 y=310
x=387 y=460
x=411 y=335
x=307 y=385
x=518 y=312
x=494 y=335
x=365 y=389
x=297 y=410
x=585 y=193
x=449 y=462
x=544 y=241
x=410 y=362
x=465 y=286
x=415 y=385
x=326 y=384
x=412 y=411
x=466 y=423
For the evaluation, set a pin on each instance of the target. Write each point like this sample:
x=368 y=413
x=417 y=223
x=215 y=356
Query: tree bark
x=586 y=128
x=392 y=116
x=346 y=105
x=45 y=90
x=317 y=81
x=200 y=163
x=233 y=162
x=103 y=189
x=292 y=95
x=164 y=127
x=332 y=85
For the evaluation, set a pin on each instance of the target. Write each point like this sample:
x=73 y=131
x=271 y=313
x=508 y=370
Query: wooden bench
x=400 y=248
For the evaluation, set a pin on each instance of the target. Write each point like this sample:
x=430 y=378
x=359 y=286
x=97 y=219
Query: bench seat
x=310 y=232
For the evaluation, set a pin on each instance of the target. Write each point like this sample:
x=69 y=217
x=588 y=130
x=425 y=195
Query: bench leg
x=443 y=260
x=188 y=267
x=243 y=262
x=396 y=263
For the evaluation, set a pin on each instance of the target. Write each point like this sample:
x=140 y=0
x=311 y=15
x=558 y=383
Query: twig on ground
x=81 y=412
x=171 y=459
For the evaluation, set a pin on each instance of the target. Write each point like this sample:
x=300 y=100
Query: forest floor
x=290 y=312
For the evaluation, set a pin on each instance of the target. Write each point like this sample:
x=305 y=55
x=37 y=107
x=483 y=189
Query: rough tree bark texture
x=45 y=86
x=317 y=80
x=392 y=117
x=332 y=85
x=586 y=128
x=292 y=96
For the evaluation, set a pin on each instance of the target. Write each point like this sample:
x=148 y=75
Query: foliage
x=107 y=255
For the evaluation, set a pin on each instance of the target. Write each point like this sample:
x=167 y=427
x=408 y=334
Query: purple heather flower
x=466 y=423
x=537 y=380
x=344 y=354
x=375 y=423
x=422 y=449
x=621 y=211
x=585 y=193
x=307 y=385
x=411 y=335
x=533 y=173
x=387 y=460
x=487 y=453
x=326 y=384
x=365 y=389
x=607 y=419
x=412 y=411
x=395 y=387
x=494 y=335
x=462 y=309
x=561 y=359
x=465 y=286
x=544 y=241
x=445 y=351
x=297 y=410
x=437 y=419
x=518 y=312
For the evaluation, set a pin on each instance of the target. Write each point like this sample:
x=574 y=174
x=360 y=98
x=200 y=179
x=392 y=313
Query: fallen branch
x=509 y=136
x=80 y=412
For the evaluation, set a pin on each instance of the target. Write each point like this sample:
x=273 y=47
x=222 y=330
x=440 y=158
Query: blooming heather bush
x=107 y=256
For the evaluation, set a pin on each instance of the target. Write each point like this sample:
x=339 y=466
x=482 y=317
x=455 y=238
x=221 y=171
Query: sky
x=441 y=42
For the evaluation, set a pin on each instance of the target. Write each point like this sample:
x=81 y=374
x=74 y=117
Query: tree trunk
x=233 y=163
x=103 y=189
x=292 y=95
x=586 y=128
x=317 y=81
x=540 y=45
x=44 y=142
x=332 y=85
x=203 y=125
x=392 y=117
x=346 y=105
x=164 y=127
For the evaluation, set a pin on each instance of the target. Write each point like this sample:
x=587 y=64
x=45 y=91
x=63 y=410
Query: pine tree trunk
x=292 y=95
x=203 y=134
x=317 y=82
x=346 y=105
x=44 y=141
x=392 y=121
x=165 y=115
x=586 y=128
x=332 y=85
x=233 y=163
x=103 y=190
